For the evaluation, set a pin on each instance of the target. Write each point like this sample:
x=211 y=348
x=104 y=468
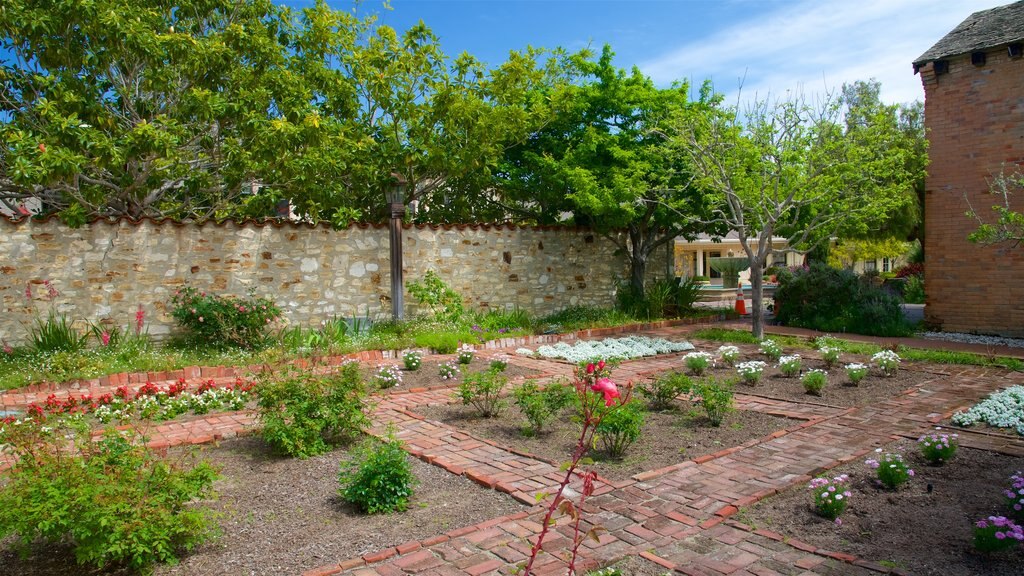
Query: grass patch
x=867 y=349
x=734 y=336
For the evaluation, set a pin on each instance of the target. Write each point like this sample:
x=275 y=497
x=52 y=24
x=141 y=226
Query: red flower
x=140 y=319
x=607 y=389
x=590 y=368
x=600 y=365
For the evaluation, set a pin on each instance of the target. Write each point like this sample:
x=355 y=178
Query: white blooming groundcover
x=1003 y=409
x=608 y=349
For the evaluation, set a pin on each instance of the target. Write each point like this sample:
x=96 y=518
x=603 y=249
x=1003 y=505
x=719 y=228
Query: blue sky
x=776 y=45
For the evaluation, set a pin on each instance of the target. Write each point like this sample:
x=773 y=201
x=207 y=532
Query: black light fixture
x=941 y=67
x=395 y=195
x=1015 y=50
x=978 y=58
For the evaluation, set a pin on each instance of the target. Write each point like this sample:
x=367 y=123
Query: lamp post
x=396 y=205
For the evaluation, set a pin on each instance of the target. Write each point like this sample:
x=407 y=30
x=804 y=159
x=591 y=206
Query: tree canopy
x=213 y=108
x=795 y=168
x=603 y=160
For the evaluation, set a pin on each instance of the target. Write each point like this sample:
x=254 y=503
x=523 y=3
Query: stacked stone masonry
x=104 y=271
x=975 y=121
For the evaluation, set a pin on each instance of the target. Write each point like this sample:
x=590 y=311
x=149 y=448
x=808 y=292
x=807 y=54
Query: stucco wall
x=975 y=121
x=106 y=270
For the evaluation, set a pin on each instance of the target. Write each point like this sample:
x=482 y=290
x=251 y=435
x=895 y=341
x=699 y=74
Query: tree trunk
x=756 y=299
x=639 y=250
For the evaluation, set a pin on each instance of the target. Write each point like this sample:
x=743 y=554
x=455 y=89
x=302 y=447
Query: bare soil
x=838 y=392
x=427 y=375
x=668 y=437
x=924 y=527
x=283 y=516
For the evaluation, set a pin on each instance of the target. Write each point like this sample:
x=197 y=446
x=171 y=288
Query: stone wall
x=106 y=270
x=975 y=121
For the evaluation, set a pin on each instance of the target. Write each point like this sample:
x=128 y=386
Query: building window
x=886 y=265
x=870 y=265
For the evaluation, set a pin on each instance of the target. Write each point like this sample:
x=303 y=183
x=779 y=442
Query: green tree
x=1008 y=228
x=209 y=109
x=603 y=160
x=792 y=168
x=164 y=109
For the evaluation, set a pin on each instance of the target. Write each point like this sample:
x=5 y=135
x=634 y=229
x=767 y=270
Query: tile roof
x=984 y=29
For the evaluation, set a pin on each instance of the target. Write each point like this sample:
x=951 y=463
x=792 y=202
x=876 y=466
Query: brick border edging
x=414 y=545
x=191 y=372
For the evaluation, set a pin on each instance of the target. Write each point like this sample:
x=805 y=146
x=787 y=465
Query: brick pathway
x=678 y=516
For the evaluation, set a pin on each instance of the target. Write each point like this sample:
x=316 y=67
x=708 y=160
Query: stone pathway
x=680 y=516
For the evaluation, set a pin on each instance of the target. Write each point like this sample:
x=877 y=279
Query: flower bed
x=283 y=516
x=924 y=527
x=668 y=437
x=1003 y=409
x=608 y=349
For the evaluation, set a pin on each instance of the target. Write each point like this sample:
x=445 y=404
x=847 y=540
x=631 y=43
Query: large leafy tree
x=794 y=168
x=216 y=108
x=162 y=108
x=604 y=160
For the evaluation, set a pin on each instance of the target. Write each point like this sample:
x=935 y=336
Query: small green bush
x=111 y=498
x=224 y=320
x=412 y=360
x=716 y=399
x=303 y=413
x=441 y=342
x=913 y=290
x=444 y=303
x=620 y=428
x=482 y=390
x=379 y=478
x=814 y=381
x=662 y=391
x=540 y=405
x=55 y=334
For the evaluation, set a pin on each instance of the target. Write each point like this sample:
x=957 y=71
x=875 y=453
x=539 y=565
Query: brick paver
x=679 y=516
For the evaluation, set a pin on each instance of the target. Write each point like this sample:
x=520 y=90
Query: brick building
x=974 y=113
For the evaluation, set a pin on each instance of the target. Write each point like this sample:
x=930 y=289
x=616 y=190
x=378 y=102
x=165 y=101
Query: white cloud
x=815 y=45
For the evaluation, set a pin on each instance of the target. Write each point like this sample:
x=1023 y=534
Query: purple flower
x=1000 y=536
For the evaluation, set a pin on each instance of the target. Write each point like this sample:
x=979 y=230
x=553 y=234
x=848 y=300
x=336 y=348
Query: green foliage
x=663 y=390
x=620 y=428
x=805 y=171
x=715 y=398
x=1008 y=227
x=302 y=412
x=831 y=300
x=913 y=290
x=412 y=360
x=482 y=390
x=603 y=157
x=223 y=320
x=444 y=303
x=540 y=405
x=378 y=478
x=110 y=497
x=814 y=381
x=440 y=341
x=687 y=293
x=580 y=317
x=134 y=109
x=55 y=334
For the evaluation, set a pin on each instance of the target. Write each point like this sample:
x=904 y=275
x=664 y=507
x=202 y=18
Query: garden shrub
x=482 y=390
x=891 y=468
x=938 y=447
x=832 y=300
x=303 y=413
x=379 y=478
x=539 y=405
x=716 y=399
x=444 y=303
x=55 y=334
x=830 y=495
x=913 y=290
x=814 y=381
x=662 y=391
x=620 y=428
x=224 y=320
x=440 y=342
x=111 y=498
